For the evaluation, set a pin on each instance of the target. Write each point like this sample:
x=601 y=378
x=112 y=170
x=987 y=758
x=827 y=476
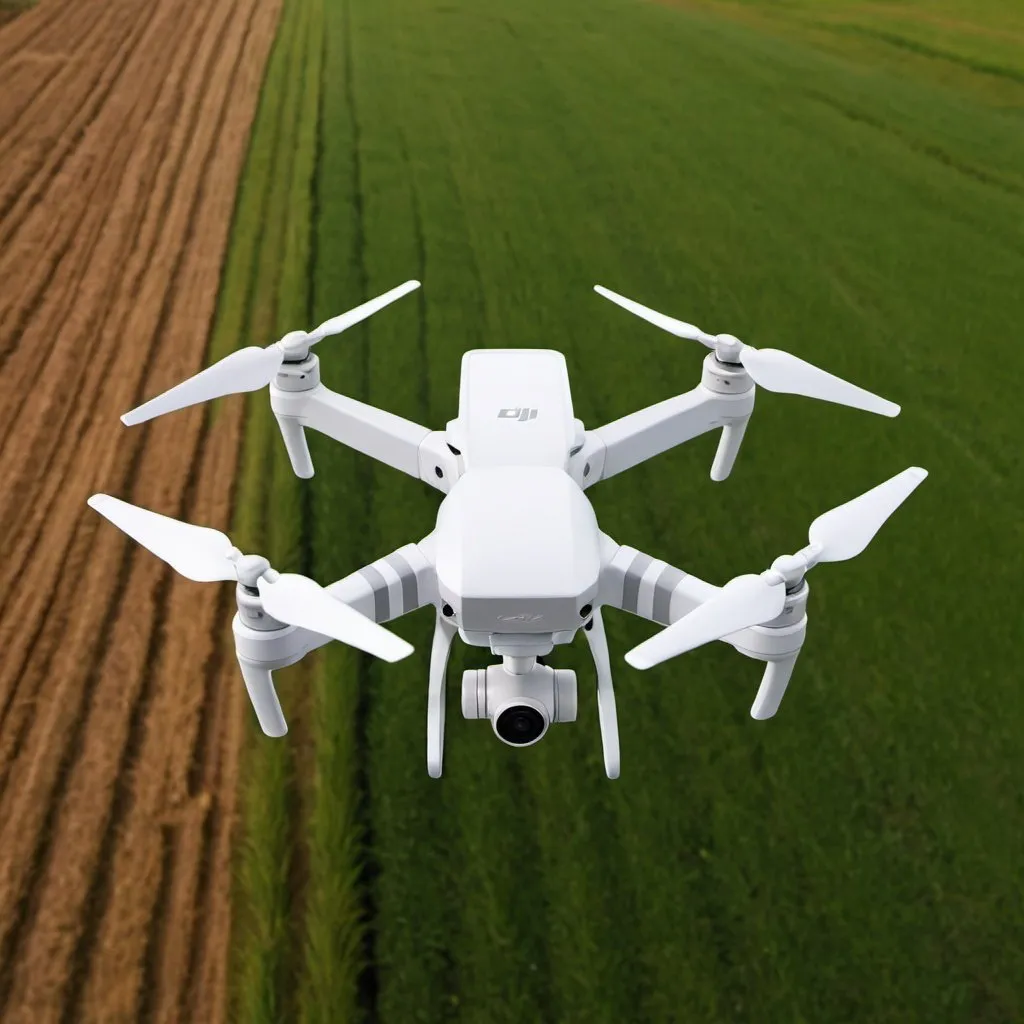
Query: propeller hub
x=791 y=568
x=295 y=345
x=728 y=349
x=251 y=568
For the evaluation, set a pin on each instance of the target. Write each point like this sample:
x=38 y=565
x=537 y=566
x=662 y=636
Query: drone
x=516 y=562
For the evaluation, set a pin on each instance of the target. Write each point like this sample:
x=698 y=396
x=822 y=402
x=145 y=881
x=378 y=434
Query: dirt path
x=123 y=128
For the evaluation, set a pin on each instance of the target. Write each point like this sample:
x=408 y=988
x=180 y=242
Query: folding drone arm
x=395 y=585
x=724 y=398
x=654 y=590
x=392 y=586
x=299 y=400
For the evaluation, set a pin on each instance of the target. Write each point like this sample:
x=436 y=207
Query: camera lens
x=520 y=724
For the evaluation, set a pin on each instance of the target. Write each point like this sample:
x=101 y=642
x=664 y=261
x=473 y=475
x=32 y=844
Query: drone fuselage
x=515 y=410
x=517 y=545
x=517 y=550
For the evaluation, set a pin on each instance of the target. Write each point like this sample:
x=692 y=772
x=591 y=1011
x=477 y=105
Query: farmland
x=843 y=181
x=855 y=859
x=123 y=129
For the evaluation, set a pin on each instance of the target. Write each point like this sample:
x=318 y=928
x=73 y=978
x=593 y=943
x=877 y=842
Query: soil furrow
x=51 y=255
x=154 y=191
x=198 y=614
x=28 y=808
x=50 y=944
x=46 y=254
x=49 y=138
x=202 y=630
x=119 y=734
x=137 y=181
x=20 y=34
x=20 y=506
x=42 y=637
x=27 y=107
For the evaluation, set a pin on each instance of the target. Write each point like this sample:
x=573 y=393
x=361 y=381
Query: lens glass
x=520 y=724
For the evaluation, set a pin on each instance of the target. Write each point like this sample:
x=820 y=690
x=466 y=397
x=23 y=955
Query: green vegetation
x=976 y=45
x=857 y=859
x=265 y=293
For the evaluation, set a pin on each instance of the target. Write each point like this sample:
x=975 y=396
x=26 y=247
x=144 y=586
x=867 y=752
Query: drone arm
x=395 y=585
x=390 y=439
x=392 y=586
x=648 y=587
x=626 y=442
x=654 y=590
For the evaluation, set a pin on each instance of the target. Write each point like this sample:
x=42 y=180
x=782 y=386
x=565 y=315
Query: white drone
x=516 y=562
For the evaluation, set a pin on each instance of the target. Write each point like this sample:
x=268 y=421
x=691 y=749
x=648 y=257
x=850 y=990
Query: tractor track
x=123 y=135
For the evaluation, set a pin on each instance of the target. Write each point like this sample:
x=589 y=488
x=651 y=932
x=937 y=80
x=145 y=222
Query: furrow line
x=176 y=711
x=45 y=530
x=31 y=112
x=151 y=180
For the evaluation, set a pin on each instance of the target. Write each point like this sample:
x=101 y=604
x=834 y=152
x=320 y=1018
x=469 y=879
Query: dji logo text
x=517 y=414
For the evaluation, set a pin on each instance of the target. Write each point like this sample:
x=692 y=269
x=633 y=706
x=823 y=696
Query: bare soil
x=123 y=130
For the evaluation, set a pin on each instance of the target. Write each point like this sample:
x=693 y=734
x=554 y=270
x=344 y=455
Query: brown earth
x=123 y=129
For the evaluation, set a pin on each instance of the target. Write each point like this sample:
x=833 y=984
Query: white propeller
x=745 y=601
x=198 y=553
x=250 y=369
x=300 y=601
x=769 y=368
x=742 y=602
x=205 y=555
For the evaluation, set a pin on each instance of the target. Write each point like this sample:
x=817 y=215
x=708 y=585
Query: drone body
x=517 y=562
x=517 y=543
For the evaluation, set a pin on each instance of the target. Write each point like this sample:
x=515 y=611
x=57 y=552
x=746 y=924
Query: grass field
x=829 y=190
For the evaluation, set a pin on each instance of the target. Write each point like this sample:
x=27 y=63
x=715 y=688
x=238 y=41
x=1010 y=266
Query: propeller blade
x=666 y=323
x=343 y=322
x=742 y=602
x=199 y=553
x=300 y=601
x=787 y=374
x=847 y=530
x=248 y=369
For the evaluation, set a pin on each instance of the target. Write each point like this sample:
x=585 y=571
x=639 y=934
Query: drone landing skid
x=608 y=716
x=260 y=684
x=444 y=633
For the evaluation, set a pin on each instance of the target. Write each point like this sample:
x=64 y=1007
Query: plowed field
x=123 y=129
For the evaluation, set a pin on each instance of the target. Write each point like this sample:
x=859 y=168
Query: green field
x=843 y=181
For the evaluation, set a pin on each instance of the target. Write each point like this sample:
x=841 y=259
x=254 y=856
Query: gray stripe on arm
x=381 y=598
x=410 y=585
x=669 y=579
x=631 y=583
